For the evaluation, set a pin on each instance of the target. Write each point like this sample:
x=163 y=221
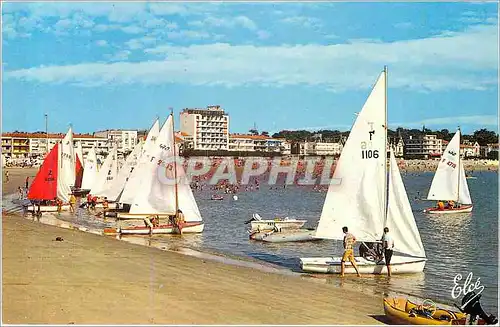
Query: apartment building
x=124 y=139
x=208 y=129
x=467 y=149
x=424 y=147
x=320 y=148
x=34 y=145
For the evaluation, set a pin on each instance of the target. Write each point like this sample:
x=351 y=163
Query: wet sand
x=92 y=279
x=17 y=177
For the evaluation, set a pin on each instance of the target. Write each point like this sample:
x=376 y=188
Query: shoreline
x=231 y=294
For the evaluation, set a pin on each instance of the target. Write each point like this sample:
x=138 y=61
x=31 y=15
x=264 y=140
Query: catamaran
x=50 y=184
x=157 y=197
x=363 y=197
x=450 y=183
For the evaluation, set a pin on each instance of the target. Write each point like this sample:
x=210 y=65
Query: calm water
x=454 y=245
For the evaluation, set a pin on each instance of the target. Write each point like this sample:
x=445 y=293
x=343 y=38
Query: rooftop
x=40 y=135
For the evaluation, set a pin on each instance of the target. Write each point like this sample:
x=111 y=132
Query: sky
x=280 y=65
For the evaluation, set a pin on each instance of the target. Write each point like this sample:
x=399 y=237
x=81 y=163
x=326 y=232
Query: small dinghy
x=449 y=182
x=402 y=311
x=217 y=197
x=259 y=224
x=287 y=235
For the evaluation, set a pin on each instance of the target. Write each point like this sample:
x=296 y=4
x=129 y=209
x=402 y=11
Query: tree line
x=481 y=136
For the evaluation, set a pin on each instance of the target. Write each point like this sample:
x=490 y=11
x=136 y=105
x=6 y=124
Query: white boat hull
x=462 y=209
x=269 y=225
x=192 y=227
x=64 y=207
x=298 y=235
x=100 y=205
x=141 y=216
x=329 y=265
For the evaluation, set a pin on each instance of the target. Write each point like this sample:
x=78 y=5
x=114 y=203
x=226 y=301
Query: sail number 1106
x=367 y=154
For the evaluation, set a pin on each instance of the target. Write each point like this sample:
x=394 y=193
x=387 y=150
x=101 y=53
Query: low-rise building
x=124 y=139
x=260 y=143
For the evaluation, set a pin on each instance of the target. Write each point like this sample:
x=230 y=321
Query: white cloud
x=192 y=35
x=437 y=63
x=101 y=43
x=226 y=22
x=132 y=29
x=263 y=34
x=119 y=56
x=305 y=21
x=140 y=43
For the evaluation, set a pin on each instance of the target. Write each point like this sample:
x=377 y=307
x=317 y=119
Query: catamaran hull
x=289 y=236
x=192 y=227
x=269 y=225
x=462 y=209
x=64 y=207
x=399 y=265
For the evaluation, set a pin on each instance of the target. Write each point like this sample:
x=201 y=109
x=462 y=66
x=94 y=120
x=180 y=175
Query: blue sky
x=278 y=65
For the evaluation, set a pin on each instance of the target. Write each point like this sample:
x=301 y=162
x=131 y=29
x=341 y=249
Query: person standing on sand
x=27 y=181
x=349 y=241
x=21 y=193
x=6 y=176
x=388 y=244
x=72 y=202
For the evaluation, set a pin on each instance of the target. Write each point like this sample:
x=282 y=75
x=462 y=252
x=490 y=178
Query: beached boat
x=258 y=224
x=77 y=190
x=402 y=311
x=105 y=176
x=133 y=181
x=49 y=184
x=449 y=183
x=164 y=190
x=118 y=184
x=90 y=170
x=363 y=197
x=287 y=235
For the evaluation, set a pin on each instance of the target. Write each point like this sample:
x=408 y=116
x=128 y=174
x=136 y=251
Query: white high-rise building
x=206 y=129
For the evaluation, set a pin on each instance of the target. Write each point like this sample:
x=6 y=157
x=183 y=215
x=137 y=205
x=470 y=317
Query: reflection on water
x=453 y=243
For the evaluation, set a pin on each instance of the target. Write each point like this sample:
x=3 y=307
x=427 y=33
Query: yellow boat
x=402 y=311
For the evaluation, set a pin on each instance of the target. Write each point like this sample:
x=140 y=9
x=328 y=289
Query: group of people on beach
x=370 y=250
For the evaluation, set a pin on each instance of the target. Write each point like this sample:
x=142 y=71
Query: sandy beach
x=92 y=279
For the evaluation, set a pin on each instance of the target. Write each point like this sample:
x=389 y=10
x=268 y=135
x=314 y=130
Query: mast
x=175 y=163
x=459 y=167
x=386 y=179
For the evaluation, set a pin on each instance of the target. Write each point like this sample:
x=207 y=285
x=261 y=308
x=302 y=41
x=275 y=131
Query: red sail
x=44 y=187
x=78 y=172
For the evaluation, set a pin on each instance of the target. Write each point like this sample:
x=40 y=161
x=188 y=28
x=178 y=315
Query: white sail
x=113 y=192
x=68 y=158
x=400 y=219
x=63 y=188
x=79 y=152
x=134 y=180
x=357 y=200
x=449 y=182
x=157 y=182
x=90 y=170
x=107 y=172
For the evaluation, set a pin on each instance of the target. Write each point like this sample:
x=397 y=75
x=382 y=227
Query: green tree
x=485 y=137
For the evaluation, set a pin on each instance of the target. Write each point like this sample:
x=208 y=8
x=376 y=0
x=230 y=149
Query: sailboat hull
x=329 y=265
x=190 y=227
x=126 y=215
x=64 y=207
x=289 y=235
x=462 y=209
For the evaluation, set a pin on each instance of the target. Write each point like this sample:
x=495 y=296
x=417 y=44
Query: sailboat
x=68 y=161
x=105 y=176
x=79 y=164
x=157 y=196
x=90 y=171
x=49 y=184
x=450 y=183
x=363 y=197
x=118 y=184
x=134 y=179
